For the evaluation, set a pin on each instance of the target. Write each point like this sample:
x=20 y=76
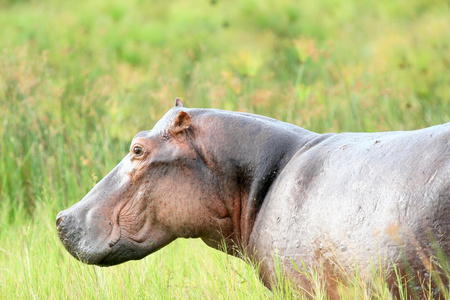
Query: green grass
x=79 y=79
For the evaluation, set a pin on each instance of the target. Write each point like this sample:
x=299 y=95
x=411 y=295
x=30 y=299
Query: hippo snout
x=69 y=233
x=83 y=239
x=62 y=224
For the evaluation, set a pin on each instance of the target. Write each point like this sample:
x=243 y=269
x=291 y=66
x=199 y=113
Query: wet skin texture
x=268 y=187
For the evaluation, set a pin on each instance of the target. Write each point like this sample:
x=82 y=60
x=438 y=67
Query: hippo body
x=272 y=191
x=364 y=200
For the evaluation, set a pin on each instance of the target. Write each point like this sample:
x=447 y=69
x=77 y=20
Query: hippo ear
x=178 y=102
x=181 y=122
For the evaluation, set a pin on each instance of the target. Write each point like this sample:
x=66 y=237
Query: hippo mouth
x=84 y=251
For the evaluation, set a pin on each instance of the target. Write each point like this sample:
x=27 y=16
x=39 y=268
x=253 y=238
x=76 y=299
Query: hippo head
x=156 y=194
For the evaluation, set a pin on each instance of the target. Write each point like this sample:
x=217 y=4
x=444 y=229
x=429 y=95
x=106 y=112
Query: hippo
x=281 y=195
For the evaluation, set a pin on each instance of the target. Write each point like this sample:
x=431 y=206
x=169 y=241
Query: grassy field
x=78 y=79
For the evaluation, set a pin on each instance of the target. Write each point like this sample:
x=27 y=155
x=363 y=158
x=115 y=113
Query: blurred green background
x=78 y=79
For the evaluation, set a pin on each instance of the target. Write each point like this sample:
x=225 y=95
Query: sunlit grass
x=79 y=79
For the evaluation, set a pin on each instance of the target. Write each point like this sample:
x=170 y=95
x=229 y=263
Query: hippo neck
x=246 y=153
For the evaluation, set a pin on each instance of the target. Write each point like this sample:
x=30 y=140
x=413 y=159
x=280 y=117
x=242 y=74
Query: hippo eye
x=137 y=150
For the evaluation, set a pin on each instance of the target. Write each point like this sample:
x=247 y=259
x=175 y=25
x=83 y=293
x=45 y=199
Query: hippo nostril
x=58 y=221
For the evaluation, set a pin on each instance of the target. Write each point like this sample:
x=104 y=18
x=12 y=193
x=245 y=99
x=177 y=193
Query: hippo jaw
x=97 y=240
x=104 y=244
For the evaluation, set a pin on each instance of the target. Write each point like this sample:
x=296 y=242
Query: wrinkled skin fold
x=266 y=187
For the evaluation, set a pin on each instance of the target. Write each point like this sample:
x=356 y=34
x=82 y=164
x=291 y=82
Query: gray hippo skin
x=275 y=192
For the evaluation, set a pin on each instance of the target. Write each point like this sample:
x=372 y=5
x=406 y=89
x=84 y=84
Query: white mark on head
x=122 y=175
